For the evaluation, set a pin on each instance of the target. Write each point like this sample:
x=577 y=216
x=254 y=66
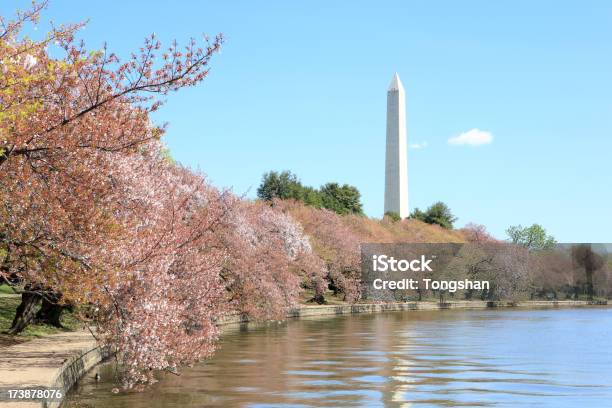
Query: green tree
x=532 y=238
x=343 y=199
x=311 y=196
x=417 y=214
x=438 y=213
x=283 y=185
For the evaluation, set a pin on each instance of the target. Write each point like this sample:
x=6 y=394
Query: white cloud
x=473 y=137
x=417 y=146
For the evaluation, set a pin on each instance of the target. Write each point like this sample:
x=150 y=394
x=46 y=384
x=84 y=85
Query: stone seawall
x=327 y=310
x=58 y=361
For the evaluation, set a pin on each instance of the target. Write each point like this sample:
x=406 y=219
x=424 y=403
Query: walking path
x=51 y=362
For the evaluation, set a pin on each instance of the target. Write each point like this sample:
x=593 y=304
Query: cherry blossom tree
x=337 y=245
x=161 y=310
x=477 y=234
x=268 y=253
x=65 y=124
x=92 y=213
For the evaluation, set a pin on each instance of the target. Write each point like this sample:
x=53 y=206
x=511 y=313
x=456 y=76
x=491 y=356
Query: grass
x=6 y=289
x=8 y=305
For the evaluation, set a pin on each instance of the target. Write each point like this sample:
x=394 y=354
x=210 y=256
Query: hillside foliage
x=342 y=199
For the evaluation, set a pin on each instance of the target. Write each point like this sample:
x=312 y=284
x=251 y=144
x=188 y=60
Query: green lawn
x=6 y=289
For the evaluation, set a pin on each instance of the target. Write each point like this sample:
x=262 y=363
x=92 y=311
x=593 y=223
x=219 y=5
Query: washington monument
x=396 y=162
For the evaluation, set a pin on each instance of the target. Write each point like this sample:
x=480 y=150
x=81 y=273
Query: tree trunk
x=25 y=313
x=469 y=294
x=50 y=311
x=319 y=299
x=589 y=279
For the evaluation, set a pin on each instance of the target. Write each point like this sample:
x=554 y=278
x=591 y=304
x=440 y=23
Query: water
x=497 y=358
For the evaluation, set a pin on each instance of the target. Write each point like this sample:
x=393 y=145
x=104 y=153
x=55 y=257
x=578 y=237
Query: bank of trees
x=535 y=266
x=94 y=215
x=337 y=239
x=342 y=199
x=564 y=270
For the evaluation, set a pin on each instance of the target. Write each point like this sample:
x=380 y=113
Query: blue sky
x=302 y=86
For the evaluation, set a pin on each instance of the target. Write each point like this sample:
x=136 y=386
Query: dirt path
x=37 y=363
x=7 y=340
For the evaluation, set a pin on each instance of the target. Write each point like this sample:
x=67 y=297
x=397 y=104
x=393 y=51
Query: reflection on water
x=544 y=358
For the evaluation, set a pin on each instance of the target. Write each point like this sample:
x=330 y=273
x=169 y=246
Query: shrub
x=438 y=213
x=392 y=216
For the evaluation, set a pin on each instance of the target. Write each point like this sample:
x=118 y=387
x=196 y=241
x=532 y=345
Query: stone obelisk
x=396 y=162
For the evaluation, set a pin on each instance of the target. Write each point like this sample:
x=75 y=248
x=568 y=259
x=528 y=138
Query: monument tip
x=395 y=84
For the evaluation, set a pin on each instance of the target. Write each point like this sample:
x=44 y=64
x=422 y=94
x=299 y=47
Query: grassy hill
x=371 y=230
x=336 y=240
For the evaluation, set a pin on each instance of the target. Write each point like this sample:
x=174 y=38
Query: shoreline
x=59 y=361
x=313 y=311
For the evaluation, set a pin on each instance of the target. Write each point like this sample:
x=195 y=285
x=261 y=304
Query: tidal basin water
x=488 y=358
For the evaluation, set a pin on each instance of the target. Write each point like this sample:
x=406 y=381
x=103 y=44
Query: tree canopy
x=283 y=185
x=532 y=238
x=438 y=213
x=94 y=213
x=342 y=199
